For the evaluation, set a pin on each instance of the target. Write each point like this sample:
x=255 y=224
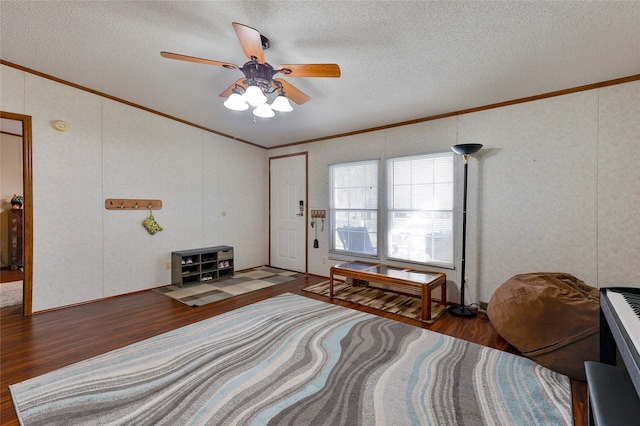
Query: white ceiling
x=400 y=60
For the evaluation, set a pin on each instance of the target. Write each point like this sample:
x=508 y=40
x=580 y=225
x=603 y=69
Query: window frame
x=332 y=225
x=390 y=212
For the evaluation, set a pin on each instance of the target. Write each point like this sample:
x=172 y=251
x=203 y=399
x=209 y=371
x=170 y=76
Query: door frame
x=27 y=186
x=306 y=207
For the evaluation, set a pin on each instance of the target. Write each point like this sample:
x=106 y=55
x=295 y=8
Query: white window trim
x=388 y=211
x=345 y=254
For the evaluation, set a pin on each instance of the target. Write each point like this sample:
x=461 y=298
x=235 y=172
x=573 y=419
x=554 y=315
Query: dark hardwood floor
x=31 y=346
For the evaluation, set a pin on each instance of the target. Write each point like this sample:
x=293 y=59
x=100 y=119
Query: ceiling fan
x=258 y=79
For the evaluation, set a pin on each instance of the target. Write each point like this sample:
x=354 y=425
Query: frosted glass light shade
x=254 y=96
x=264 y=110
x=281 y=103
x=236 y=103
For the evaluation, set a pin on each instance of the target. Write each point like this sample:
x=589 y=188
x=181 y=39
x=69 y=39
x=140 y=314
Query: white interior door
x=288 y=192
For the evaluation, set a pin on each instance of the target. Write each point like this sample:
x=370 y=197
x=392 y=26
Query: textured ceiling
x=400 y=60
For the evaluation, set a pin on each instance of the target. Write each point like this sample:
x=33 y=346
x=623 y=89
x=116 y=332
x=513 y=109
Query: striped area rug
x=405 y=305
x=298 y=361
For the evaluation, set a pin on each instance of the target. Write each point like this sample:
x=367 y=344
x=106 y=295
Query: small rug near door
x=406 y=306
x=10 y=294
x=199 y=294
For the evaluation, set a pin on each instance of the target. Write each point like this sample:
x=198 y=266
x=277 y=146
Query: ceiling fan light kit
x=264 y=111
x=235 y=102
x=259 y=75
x=281 y=104
x=254 y=96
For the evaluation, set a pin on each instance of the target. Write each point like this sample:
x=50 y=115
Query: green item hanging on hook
x=151 y=225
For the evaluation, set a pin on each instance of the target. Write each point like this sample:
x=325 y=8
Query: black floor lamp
x=465 y=150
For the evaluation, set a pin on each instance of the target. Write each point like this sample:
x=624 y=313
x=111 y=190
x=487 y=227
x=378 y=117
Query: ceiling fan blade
x=250 y=41
x=170 y=55
x=229 y=90
x=292 y=92
x=310 y=70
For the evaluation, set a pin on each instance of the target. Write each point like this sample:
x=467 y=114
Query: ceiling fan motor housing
x=261 y=74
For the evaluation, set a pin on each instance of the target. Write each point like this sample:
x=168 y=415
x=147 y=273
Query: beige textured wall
x=619 y=185
x=536 y=206
x=554 y=188
x=84 y=252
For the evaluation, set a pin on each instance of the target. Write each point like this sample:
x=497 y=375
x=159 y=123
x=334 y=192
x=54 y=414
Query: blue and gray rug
x=294 y=360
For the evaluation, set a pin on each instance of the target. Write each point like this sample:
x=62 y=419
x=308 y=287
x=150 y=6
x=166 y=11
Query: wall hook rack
x=132 y=204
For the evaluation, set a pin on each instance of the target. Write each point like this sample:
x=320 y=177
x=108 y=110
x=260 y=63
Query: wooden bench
x=394 y=276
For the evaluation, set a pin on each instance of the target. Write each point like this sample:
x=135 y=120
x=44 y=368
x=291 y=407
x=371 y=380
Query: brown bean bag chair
x=552 y=318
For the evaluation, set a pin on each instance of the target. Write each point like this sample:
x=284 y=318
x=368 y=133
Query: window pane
x=422 y=197
x=341 y=198
x=421 y=236
x=401 y=197
x=443 y=169
x=371 y=198
x=422 y=171
x=402 y=173
x=356 y=231
x=357 y=176
x=356 y=198
x=354 y=207
x=443 y=196
x=341 y=177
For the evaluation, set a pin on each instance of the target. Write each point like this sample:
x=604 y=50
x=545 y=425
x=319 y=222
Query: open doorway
x=19 y=126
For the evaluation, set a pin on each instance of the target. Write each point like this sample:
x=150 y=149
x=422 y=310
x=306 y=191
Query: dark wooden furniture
x=201 y=265
x=16 y=238
x=393 y=276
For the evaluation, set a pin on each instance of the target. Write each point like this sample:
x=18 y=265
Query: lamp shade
x=236 y=103
x=254 y=96
x=263 y=110
x=281 y=104
x=466 y=148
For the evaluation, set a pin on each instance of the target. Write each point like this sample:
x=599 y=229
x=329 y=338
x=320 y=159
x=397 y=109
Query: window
x=420 y=209
x=353 y=208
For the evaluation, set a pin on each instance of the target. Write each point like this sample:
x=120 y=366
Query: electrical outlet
x=167 y=266
x=324 y=260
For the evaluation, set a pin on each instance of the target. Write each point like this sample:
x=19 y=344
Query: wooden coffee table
x=394 y=276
